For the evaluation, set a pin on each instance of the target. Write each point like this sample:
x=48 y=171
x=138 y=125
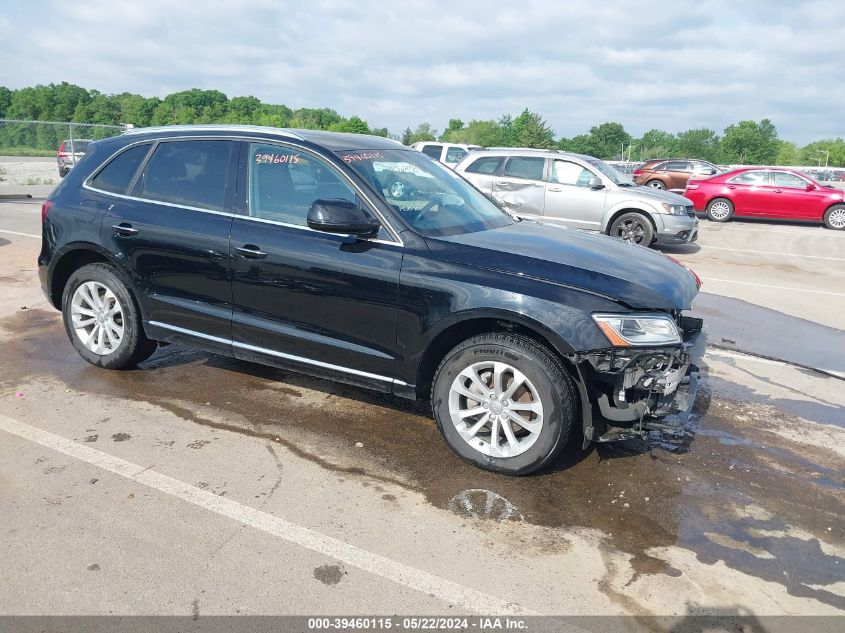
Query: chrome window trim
x=270 y=352
x=87 y=185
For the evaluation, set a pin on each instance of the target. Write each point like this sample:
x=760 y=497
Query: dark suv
x=285 y=247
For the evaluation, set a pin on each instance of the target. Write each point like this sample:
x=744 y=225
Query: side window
x=284 y=182
x=486 y=165
x=677 y=165
x=751 y=178
x=116 y=176
x=567 y=173
x=529 y=167
x=785 y=179
x=433 y=151
x=455 y=154
x=192 y=173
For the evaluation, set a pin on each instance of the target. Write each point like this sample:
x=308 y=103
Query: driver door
x=319 y=302
x=569 y=198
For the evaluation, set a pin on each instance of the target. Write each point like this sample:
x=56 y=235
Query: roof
x=556 y=152
x=334 y=141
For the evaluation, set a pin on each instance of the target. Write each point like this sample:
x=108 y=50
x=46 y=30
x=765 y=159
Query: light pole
x=826 y=153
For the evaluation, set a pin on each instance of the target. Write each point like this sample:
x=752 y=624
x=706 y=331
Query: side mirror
x=333 y=215
x=810 y=187
x=596 y=183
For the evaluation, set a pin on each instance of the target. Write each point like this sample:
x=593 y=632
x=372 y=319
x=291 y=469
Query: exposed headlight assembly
x=674 y=209
x=625 y=330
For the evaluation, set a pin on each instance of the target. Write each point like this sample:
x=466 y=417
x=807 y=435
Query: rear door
x=678 y=173
x=172 y=233
x=302 y=297
x=569 y=198
x=521 y=187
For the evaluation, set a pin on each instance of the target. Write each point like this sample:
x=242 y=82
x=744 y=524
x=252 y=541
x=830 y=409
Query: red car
x=768 y=192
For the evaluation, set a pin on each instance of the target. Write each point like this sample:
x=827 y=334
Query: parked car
x=284 y=247
x=673 y=174
x=769 y=193
x=580 y=192
x=447 y=153
x=70 y=151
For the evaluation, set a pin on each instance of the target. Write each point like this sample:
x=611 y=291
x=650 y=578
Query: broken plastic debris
x=19 y=394
x=359 y=444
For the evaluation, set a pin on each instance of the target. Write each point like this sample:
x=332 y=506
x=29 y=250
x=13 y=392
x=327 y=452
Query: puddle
x=706 y=494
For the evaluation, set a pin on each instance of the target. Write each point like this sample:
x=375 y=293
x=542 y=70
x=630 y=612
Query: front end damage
x=632 y=391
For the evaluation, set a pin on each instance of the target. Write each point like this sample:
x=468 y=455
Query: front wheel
x=503 y=403
x=102 y=320
x=834 y=217
x=634 y=228
x=655 y=184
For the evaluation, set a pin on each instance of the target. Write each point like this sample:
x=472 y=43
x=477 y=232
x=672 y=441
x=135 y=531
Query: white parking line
x=743 y=250
x=400 y=573
x=817 y=231
x=754 y=283
x=21 y=234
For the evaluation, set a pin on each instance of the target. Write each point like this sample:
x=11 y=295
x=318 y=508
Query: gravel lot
x=200 y=485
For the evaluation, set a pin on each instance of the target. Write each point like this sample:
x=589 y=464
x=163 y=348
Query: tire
x=633 y=227
x=91 y=297
x=545 y=383
x=655 y=184
x=834 y=217
x=63 y=172
x=720 y=210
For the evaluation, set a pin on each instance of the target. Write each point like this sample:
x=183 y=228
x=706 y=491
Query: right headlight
x=625 y=330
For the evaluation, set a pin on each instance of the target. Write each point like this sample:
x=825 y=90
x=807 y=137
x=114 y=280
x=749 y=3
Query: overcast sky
x=665 y=64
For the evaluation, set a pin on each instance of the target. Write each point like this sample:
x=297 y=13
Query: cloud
x=648 y=64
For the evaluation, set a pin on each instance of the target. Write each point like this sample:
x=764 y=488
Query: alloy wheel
x=837 y=218
x=97 y=317
x=720 y=210
x=631 y=230
x=496 y=409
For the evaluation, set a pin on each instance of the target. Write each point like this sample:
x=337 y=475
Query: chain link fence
x=29 y=150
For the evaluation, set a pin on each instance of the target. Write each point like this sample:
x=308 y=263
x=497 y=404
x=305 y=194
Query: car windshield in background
x=428 y=196
x=610 y=172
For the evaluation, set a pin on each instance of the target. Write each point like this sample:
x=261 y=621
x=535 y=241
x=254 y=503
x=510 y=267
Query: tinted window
x=751 y=178
x=785 y=179
x=116 y=176
x=677 y=165
x=455 y=154
x=486 y=165
x=283 y=183
x=567 y=173
x=192 y=173
x=433 y=151
x=529 y=167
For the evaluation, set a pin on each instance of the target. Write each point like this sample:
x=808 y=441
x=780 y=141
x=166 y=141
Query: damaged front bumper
x=629 y=392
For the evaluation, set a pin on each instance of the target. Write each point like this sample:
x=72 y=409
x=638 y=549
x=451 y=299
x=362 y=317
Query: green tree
x=817 y=153
x=698 y=143
x=603 y=141
x=788 y=154
x=424 y=132
x=749 y=142
x=529 y=129
x=5 y=101
x=656 y=144
x=483 y=133
x=406 y=136
x=355 y=125
x=454 y=126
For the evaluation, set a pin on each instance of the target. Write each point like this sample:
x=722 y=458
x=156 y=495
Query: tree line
x=745 y=142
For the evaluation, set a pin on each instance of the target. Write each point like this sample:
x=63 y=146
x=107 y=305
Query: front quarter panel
x=436 y=294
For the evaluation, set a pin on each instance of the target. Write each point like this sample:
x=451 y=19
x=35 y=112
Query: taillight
x=680 y=263
x=62 y=151
x=45 y=207
x=638 y=171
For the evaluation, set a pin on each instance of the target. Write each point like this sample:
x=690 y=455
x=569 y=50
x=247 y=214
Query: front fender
x=628 y=205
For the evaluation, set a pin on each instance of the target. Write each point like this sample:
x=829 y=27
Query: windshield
x=610 y=172
x=430 y=197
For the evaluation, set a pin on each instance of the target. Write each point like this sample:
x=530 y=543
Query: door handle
x=778 y=191
x=251 y=251
x=731 y=186
x=555 y=189
x=124 y=229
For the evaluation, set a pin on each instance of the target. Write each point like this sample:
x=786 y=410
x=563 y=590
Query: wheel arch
x=73 y=258
x=611 y=218
x=471 y=324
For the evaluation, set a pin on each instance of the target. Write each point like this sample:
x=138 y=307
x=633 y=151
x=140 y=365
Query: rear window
x=116 y=176
x=455 y=154
x=191 y=173
x=486 y=165
x=433 y=151
x=529 y=167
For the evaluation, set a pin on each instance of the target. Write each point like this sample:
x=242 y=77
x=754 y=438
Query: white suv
x=449 y=154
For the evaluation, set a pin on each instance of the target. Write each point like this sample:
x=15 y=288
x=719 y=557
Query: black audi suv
x=286 y=247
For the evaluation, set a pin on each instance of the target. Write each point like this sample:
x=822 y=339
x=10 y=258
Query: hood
x=636 y=276
x=654 y=196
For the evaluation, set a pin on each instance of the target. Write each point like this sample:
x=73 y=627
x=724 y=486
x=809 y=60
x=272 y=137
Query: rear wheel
x=720 y=210
x=63 y=172
x=655 y=184
x=834 y=217
x=102 y=320
x=503 y=403
x=633 y=227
